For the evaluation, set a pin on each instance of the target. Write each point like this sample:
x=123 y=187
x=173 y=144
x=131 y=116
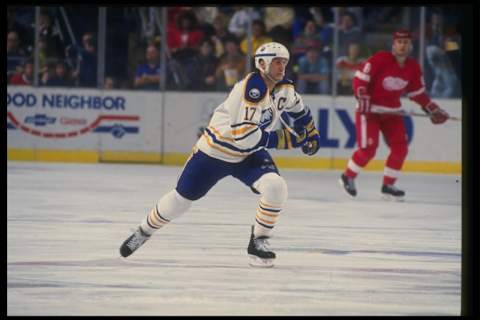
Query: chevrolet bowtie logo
x=40 y=120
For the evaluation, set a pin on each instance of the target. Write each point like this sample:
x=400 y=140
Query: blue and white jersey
x=236 y=127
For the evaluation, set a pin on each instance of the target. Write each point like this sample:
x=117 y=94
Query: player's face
x=277 y=68
x=402 y=47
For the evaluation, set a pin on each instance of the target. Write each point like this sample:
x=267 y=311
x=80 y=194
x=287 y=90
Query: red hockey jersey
x=386 y=81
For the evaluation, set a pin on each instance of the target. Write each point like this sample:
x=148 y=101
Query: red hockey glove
x=437 y=115
x=363 y=98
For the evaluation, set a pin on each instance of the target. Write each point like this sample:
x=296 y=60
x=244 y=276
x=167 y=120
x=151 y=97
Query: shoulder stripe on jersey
x=416 y=93
x=243 y=137
x=362 y=76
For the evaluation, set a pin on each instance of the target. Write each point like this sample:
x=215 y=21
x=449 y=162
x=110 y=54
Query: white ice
x=335 y=255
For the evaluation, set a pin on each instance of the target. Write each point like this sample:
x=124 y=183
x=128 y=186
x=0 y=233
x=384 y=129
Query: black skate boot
x=258 y=252
x=348 y=185
x=133 y=242
x=390 y=192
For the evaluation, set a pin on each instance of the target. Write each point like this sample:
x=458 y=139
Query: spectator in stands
x=323 y=27
x=24 y=78
x=110 y=83
x=302 y=15
x=147 y=75
x=309 y=38
x=46 y=73
x=239 y=22
x=23 y=31
x=376 y=17
x=220 y=34
x=186 y=35
x=313 y=73
x=51 y=35
x=86 y=71
x=278 y=24
x=15 y=54
x=348 y=33
x=346 y=67
x=61 y=77
x=445 y=82
x=205 y=68
x=258 y=37
x=205 y=17
x=278 y=16
x=231 y=67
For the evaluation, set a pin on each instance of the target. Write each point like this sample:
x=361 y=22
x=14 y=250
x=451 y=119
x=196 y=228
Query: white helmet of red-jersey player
x=267 y=52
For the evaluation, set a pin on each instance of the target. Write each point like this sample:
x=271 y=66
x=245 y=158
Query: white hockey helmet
x=267 y=52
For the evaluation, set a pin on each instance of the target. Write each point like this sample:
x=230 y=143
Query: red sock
x=349 y=173
x=389 y=180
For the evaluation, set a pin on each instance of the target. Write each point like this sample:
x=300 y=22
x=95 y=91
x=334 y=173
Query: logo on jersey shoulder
x=254 y=93
x=394 y=83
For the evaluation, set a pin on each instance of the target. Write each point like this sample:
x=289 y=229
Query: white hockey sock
x=265 y=219
x=274 y=193
x=171 y=206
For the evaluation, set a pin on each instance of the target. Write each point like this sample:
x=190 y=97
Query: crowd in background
x=208 y=46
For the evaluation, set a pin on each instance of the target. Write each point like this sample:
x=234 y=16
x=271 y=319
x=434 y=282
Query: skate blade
x=389 y=197
x=257 y=262
x=340 y=182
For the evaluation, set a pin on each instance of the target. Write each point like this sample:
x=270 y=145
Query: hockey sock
x=274 y=193
x=153 y=221
x=266 y=218
x=171 y=206
x=390 y=175
x=394 y=163
x=352 y=169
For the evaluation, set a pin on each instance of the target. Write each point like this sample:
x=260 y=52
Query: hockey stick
x=288 y=127
x=409 y=113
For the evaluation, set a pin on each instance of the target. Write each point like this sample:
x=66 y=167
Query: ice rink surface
x=335 y=255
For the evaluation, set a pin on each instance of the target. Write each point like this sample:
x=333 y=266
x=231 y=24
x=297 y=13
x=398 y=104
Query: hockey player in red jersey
x=378 y=85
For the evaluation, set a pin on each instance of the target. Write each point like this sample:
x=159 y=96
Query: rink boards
x=77 y=125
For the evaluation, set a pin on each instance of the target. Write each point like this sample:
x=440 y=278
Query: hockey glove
x=283 y=139
x=363 y=99
x=313 y=139
x=437 y=115
x=302 y=120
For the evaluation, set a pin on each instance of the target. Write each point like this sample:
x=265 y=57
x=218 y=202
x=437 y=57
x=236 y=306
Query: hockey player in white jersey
x=235 y=143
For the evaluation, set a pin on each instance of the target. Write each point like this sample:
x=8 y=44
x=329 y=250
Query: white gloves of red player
x=363 y=98
x=437 y=115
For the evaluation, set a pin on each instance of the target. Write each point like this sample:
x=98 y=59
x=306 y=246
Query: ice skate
x=259 y=254
x=133 y=242
x=348 y=185
x=390 y=192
